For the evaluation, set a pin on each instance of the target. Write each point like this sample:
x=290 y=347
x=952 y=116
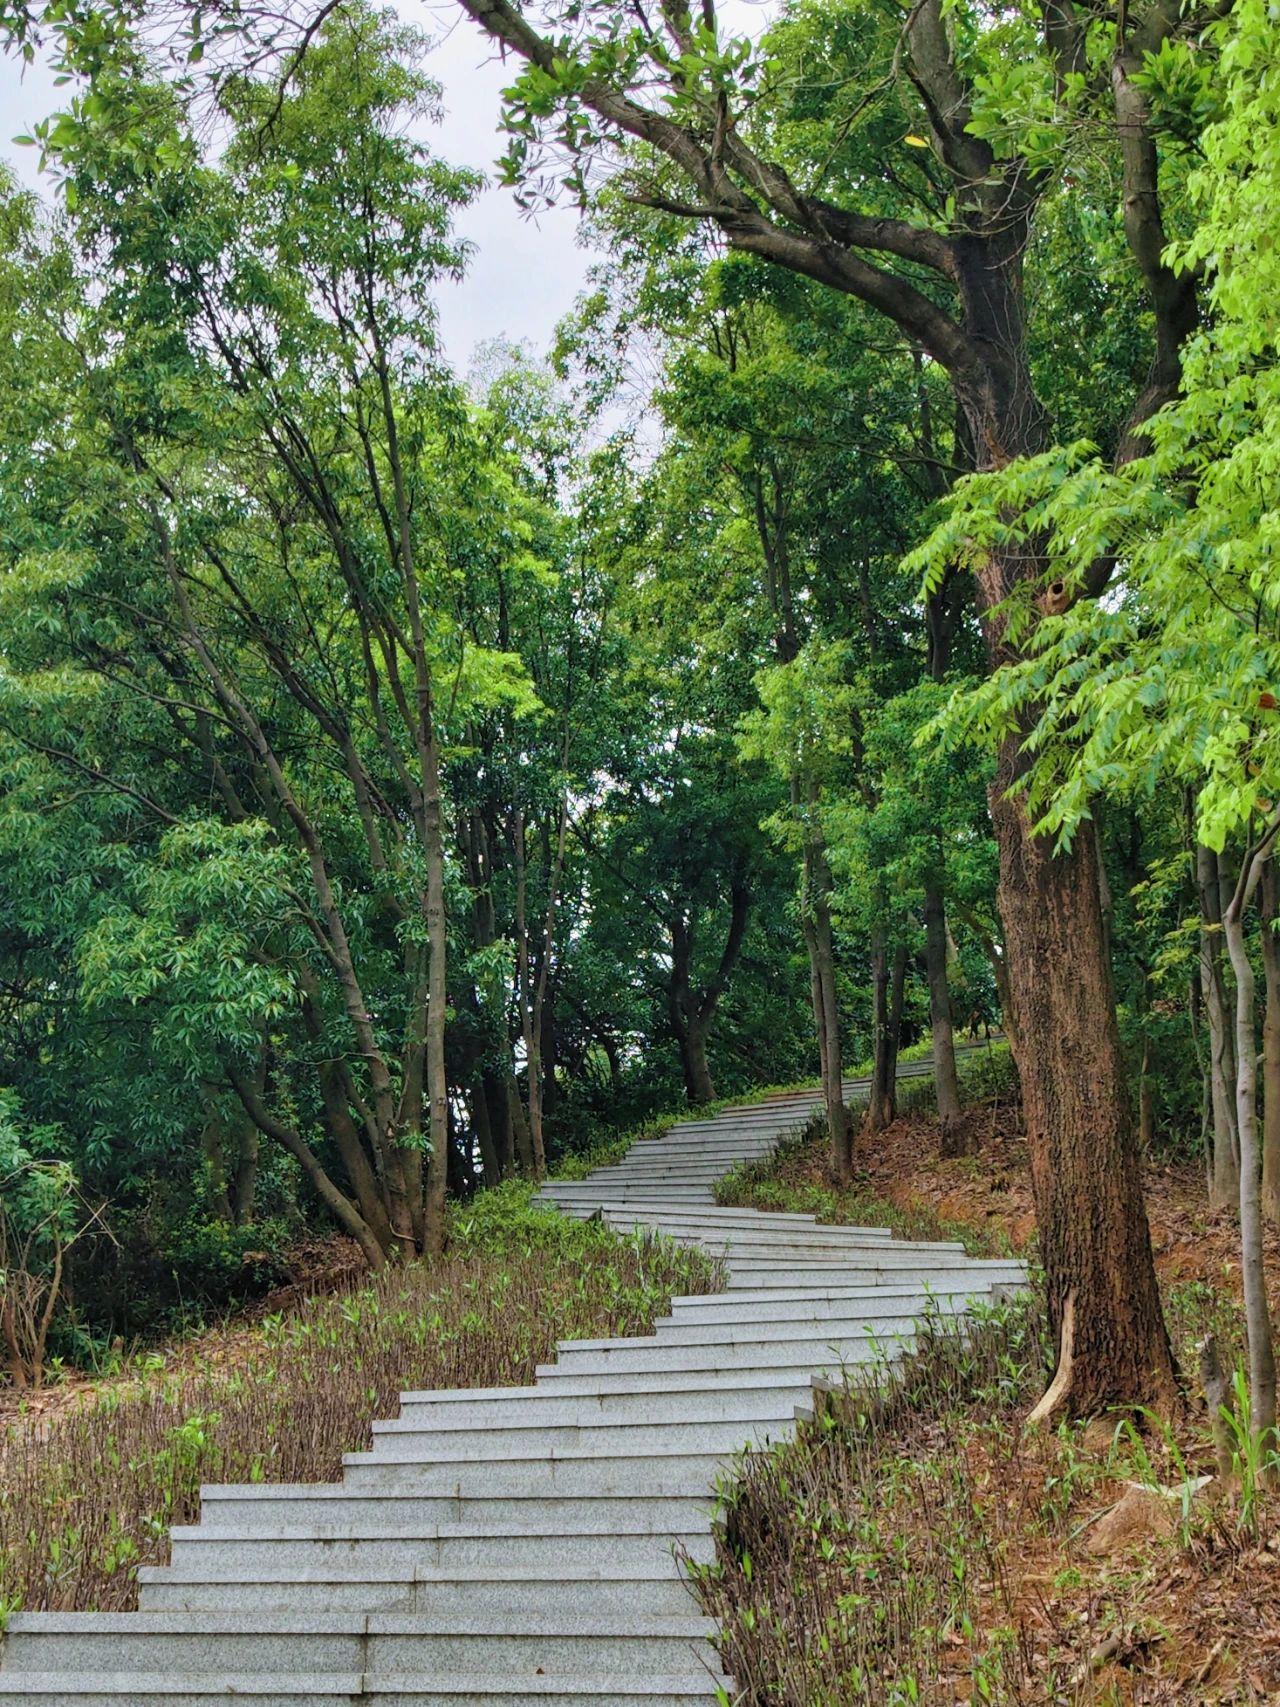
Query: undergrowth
x=916 y=1543
x=87 y=1494
x=793 y=1178
x=847 y=1557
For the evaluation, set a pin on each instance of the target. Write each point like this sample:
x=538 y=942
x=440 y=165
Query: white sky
x=525 y=274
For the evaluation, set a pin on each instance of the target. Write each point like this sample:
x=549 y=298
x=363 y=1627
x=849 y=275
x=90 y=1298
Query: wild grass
x=87 y=1494
x=917 y=1544
x=848 y=1557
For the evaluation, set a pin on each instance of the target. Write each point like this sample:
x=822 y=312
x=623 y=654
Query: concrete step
x=896 y=1315
x=800 y=1248
x=753 y=1234
x=593 y=1197
x=354 y=1642
x=686 y=1398
x=675 y=1472
x=230 y=1548
x=496 y=1593
x=724 y=1358
x=709 y=1217
x=750 y=1312
x=326 y=1505
x=795 y=1379
x=874 y=1270
x=370 y=1689
x=774 y=1414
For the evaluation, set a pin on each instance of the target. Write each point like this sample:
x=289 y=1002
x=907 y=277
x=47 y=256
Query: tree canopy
x=861 y=626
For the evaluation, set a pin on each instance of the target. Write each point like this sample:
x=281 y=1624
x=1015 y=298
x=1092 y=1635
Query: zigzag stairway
x=508 y=1546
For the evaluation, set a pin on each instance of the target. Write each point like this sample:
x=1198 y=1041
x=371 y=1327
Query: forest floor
x=933 y=1549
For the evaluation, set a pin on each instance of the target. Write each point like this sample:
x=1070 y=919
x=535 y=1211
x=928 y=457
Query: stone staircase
x=517 y=1545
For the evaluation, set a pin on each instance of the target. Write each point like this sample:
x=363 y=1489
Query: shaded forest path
x=517 y=1545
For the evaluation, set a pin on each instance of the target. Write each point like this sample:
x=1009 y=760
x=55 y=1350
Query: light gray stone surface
x=518 y=1547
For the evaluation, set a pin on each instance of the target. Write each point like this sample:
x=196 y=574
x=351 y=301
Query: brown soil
x=1150 y=1617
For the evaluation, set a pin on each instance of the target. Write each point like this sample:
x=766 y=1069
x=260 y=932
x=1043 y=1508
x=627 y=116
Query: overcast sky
x=525 y=274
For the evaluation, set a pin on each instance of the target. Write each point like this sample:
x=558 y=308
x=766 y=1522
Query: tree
x=284 y=491
x=715 y=146
x=1172 y=680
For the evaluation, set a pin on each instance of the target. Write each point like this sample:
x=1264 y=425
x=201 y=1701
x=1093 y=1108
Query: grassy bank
x=87 y=1492
x=920 y=1545
x=796 y=1177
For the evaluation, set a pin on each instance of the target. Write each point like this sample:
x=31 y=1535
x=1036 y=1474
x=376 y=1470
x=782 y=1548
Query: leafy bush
x=213 y=1262
x=42 y=1215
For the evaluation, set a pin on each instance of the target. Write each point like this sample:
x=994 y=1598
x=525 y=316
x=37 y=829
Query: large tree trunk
x=946 y=1080
x=1223 y=1159
x=1104 y=1303
x=880 y=1108
x=524 y=981
x=698 y=1084
x=501 y=1124
x=521 y=1139
x=244 y=1184
x=1270 y=899
x=1261 y=1348
x=482 y=1126
x=888 y=980
x=437 y=998
x=1086 y=1178
x=839 y=1125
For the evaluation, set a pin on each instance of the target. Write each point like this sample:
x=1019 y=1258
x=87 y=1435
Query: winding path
x=514 y=1546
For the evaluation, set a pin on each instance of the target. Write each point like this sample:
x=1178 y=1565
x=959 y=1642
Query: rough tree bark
x=945 y=1078
x=1269 y=897
x=1223 y=1158
x=691 y=1012
x=888 y=980
x=1261 y=1347
x=529 y=1031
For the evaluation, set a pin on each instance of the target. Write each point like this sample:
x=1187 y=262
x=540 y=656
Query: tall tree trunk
x=482 y=1126
x=1270 y=899
x=839 y=1125
x=543 y=1016
x=1104 y=1304
x=698 y=1083
x=498 y=1102
x=886 y=1014
x=1262 y=1363
x=437 y=997
x=548 y=1055
x=945 y=1077
x=370 y=1197
x=879 y=982
x=340 y=1206
x=521 y=1138
x=528 y=1027
x=819 y=940
x=244 y=1183
x=1223 y=1160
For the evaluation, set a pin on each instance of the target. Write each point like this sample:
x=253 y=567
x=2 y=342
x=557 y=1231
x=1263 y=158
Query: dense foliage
x=406 y=782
